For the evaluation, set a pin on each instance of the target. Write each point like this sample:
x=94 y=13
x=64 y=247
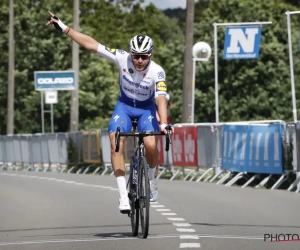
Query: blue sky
x=165 y=4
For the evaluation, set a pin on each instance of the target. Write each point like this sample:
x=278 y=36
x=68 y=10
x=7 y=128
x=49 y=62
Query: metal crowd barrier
x=96 y=150
x=3 y=161
x=236 y=150
x=34 y=152
x=165 y=162
x=91 y=151
x=26 y=150
x=196 y=151
x=253 y=148
x=223 y=153
x=106 y=151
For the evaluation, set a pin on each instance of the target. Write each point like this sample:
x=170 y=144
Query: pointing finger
x=50 y=13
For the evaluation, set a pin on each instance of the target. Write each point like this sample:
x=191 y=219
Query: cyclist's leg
x=148 y=122
x=122 y=120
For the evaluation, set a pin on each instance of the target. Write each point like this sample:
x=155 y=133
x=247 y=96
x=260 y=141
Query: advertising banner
x=265 y=149
x=91 y=146
x=184 y=146
x=253 y=148
x=242 y=42
x=160 y=146
x=54 y=80
x=234 y=147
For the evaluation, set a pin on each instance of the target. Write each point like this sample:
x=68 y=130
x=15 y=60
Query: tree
x=248 y=89
x=41 y=48
x=293 y=2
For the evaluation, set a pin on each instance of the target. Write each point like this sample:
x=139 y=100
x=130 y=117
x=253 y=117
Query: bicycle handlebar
x=142 y=134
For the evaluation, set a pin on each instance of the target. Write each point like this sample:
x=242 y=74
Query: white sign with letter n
x=242 y=42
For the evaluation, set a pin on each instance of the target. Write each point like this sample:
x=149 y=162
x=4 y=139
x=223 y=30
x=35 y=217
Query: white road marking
x=163 y=209
x=176 y=219
x=189 y=245
x=80 y=184
x=189 y=237
x=157 y=206
x=186 y=230
x=60 y=180
x=110 y=238
x=153 y=204
x=182 y=224
x=130 y=238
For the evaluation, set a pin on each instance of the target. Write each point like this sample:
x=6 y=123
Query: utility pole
x=74 y=119
x=11 y=72
x=188 y=63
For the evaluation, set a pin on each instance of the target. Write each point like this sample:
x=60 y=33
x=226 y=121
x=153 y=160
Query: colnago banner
x=242 y=42
x=54 y=80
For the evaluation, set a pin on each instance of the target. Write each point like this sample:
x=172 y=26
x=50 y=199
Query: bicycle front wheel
x=144 y=196
x=134 y=216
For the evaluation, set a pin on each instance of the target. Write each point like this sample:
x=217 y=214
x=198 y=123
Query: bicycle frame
x=139 y=193
x=139 y=151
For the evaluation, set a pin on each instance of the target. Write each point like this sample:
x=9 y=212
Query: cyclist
x=142 y=84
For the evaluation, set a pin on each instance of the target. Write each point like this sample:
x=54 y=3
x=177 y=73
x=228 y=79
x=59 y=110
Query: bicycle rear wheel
x=144 y=196
x=134 y=216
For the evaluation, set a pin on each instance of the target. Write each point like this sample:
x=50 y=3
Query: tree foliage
x=42 y=48
x=248 y=89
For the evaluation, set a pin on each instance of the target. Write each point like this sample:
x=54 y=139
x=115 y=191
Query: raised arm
x=84 y=40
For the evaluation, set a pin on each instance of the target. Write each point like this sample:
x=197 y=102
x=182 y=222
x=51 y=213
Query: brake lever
x=168 y=138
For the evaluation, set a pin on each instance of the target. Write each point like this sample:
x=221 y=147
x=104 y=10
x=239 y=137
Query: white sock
x=122 y=186
x=151 y=173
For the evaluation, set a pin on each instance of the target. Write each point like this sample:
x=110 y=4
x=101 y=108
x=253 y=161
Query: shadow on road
x=75 y=227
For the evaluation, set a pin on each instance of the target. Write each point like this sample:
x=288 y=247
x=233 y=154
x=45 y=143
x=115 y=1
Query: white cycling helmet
x=141 y=44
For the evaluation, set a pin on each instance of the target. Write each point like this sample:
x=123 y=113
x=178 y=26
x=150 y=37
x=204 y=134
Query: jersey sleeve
x=113 y=55
x=160 y=86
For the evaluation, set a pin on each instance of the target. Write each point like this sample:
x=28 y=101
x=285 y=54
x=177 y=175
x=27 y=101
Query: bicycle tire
x=132 y=195
x=144 y=196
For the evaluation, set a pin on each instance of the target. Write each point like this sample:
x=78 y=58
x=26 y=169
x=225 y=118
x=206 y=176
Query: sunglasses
x=143 y=56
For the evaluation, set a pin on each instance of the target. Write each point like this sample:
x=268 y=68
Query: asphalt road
x=69 y=211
